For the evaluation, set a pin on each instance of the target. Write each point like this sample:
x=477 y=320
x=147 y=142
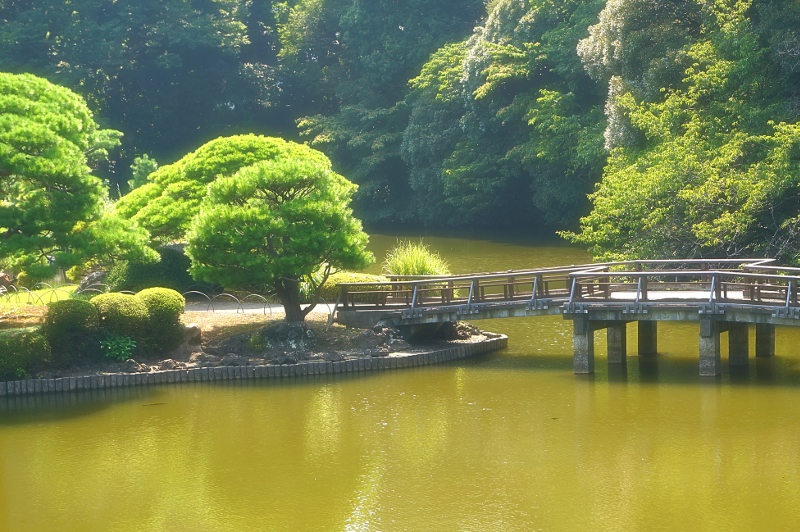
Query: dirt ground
x=224 y=322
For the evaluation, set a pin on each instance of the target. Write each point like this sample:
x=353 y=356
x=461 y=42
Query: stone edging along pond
x=230 y=373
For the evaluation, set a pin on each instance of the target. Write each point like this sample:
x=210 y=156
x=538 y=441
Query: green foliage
x=167 y=203
x=329 y=291
x=23 y=352
x=141 y=167
x=165 y=71
x=164 y=309
x=414 y=258
x=51 y=206
x=716 y=171
x=116 y=347
x=71 y=326
x=359 y=82
x=172 y=271
x=113 y=325
x=507 y=121
x=274 y=224
x=163 y=304
x=123 y=315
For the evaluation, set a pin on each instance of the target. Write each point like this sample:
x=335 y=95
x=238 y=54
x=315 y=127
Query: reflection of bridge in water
x=723 y=295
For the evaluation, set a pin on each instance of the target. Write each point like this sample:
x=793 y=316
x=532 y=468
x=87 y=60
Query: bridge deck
x=594 y=296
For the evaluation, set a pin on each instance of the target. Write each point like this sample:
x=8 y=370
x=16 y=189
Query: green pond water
x=507 y=441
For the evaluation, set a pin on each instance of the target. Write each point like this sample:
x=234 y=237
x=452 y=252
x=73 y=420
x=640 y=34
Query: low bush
x=329 y=291
x=172 y=271
x=123 y=315
x=71 y=328
x=164 y=309
x=23 y=352
x=410 y=258
x=117 y=347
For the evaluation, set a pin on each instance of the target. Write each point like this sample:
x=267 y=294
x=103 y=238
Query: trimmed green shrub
x=329 y=291
x=164 y=309
x=172 y=271
x=22 y=353
x=71 y=328
x=123 y=315
x=410 y=258
x=163 y=304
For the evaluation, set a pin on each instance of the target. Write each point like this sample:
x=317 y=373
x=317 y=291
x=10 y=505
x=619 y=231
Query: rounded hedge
x=122 y=315
x=71 y=327
x=22 y=353
x=163 y=304
x=329 y=291
x=172 y=271
x=164 y=308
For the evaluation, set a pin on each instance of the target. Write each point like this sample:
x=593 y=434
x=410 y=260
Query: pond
x=508 y=441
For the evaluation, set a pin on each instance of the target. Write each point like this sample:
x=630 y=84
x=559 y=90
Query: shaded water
x=509 y=441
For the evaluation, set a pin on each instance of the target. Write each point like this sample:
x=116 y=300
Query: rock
x=131 y=366
x=205 y=360
x=284 y=360
x=192 y=336
x=232 y=359
x=168 y=364
x=398 y=344
x=369 y=339
x=332 y=357
x=285 y=335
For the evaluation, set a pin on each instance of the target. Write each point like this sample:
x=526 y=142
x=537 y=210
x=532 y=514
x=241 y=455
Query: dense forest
x=636 y=128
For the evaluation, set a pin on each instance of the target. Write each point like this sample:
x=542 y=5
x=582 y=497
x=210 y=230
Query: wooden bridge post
x=582 y=345
x=648 y=338
x=709 y=348
x=738 y=344
x=765 y=340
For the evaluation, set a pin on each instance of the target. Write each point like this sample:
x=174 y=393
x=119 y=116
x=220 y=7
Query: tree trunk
x=288 y=292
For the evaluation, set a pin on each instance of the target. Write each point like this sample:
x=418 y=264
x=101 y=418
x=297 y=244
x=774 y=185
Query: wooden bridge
x=722 y=295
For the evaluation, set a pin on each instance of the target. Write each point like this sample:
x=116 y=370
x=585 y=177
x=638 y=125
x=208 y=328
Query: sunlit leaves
x=167 y=202
x=49 y=200
x=716 y=173
x=274 y=224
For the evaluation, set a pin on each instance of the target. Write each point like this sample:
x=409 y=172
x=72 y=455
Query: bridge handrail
x=548 y=285
x=716 y=278
x=588 y=268
x=687 y=273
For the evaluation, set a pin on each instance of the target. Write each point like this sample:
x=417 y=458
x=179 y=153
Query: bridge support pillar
x=648 y=338
x=738 y=344
x=709 y=348
x=765 y=340
x=582 y=345
x=617 y=344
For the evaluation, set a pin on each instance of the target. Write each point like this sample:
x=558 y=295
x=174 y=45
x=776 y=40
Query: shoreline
x=397 y=360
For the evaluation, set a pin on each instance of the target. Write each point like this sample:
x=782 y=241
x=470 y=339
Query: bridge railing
x=713 y=281
x=528 y=285
x=705 y=286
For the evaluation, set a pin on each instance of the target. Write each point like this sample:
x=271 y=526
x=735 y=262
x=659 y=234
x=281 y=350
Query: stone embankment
x=454 y=351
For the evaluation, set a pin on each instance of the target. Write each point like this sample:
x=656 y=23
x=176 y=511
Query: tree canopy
x=166 y=204
x=677 y=116
x=51 y=206
x=712 y=167
x=275 y=224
